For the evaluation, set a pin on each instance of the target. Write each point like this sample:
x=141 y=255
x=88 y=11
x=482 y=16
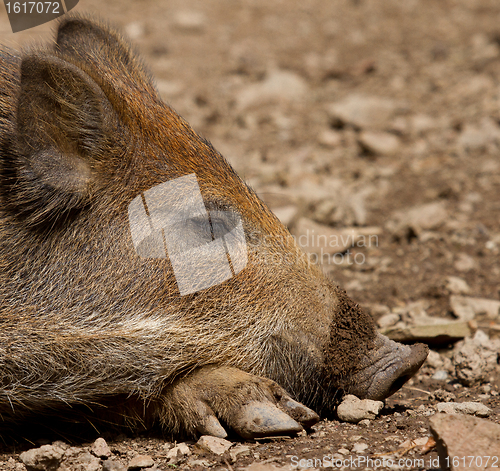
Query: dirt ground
x=438 y=65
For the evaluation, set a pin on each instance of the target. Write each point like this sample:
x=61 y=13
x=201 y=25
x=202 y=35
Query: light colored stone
x=359 y=448
x=140 y=461
x=379 y=143
x=469 y=408
x=466 y=308
x=279 y=85
x=418 y=218
x=440 y=375
x=464 y=263
x=463 y=436
x=330 y=138
x=81 y=462
x=475 y=137
x=45 y=458
x=134 y=30
x=204 y=464
x=214 y=445
x=353 y=409
x=100 y=448
x=363 y=111
x=443 y=332
x=415 y=312
x=474 y=358
x=416 y=441
x=111 y=465
x=457 y=285
x=435 y=360
x=239 y=451
x=190 y=21
x=422 y=123
x=388 y=320
x=178 y=453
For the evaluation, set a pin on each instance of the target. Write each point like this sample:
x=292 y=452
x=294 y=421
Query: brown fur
x=82 y=318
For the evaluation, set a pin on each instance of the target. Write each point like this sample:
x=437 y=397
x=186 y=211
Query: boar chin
x=386 y=368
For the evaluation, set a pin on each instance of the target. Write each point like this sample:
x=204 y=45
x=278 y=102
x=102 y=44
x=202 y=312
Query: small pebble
x=140 y=461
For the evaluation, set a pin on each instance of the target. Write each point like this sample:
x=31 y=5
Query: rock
x=352 y=409
x=363 y=111
x=469 y=408
x=474 y=358
x=466 y=308
x=80 y=462
x=204 y=464
x=100 y=448
x=140 y=461
x=437 y=361
x=359 y=448
x=464 y=263
x=456 y=285
x=45 y=458
x=279 y=85
x=379 y=143
x=134 y=30
x=479 y=137
x=214 y=445
x=375 y=309
x=330 y=138
x=417 y=219
x=339 y=206
x=440 y=375
x=238 y=451
x=461 y=437
x=422 y=123
x=190 y=21
x=442 y=395
x=433 y=333
x=416 y=313
x=111 y=465
x=388 y=320
x=178 y=453
x=416 y=441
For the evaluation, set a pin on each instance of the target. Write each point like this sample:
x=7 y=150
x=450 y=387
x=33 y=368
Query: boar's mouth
x=386 y=369
x=361 y=361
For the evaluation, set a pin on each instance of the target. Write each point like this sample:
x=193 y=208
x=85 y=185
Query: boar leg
x=211 y=399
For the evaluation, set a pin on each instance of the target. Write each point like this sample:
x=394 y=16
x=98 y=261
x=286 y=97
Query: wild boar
x=142 y=281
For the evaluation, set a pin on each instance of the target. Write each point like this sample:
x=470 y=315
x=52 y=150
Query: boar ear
x=102 y=51
x=63 y=119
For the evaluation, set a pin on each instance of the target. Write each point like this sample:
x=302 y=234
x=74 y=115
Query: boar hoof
x=261 y=419
x=215 y=399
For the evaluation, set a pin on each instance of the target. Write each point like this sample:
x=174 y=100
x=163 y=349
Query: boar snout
x=387 y=367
